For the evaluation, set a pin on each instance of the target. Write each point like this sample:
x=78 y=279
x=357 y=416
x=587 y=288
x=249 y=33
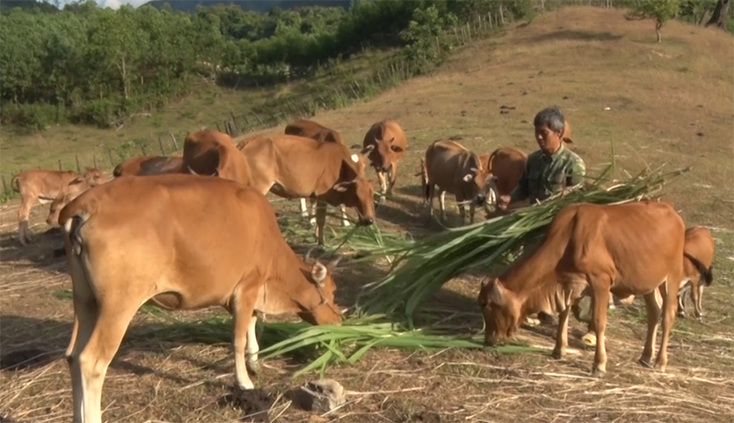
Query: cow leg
x=431 y=191
x=320 y=221
x=312 y=221
x=562 y=332
x=472 y=209
x=24 y=232
x=682 y=299
x=393 y=176
x=345 y=220
x=462 y=213
x=611 y=302
x=600 y=302
x=670 y=292
x=252 y=347
x=100 y=329
x=383 y=184
x=696 y=297
x=243 y=310
x=304 y=212
x=442 y=204
x=652 y=303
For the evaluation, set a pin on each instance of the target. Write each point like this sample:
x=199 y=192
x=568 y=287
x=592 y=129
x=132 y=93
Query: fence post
x=160 y=144
x=77 y=163
x=142 y=148
x=60 y=165
x=234 y=122
x=94 y=160
x=175 y=144
x=257 y=117
x=5 y=186
x=112 y=161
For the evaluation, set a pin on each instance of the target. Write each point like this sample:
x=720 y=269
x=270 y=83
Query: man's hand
x=503 y=201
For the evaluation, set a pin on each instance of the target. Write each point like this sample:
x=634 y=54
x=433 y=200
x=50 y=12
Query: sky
x=114 y=4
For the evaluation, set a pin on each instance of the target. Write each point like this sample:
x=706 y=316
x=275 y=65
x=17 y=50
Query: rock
x=319 y=395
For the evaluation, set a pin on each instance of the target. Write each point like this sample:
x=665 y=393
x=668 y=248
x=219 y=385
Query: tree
x=721 y=14
x=659 y=10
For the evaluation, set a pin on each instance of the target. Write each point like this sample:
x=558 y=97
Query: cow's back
x=179 y=224
x=310 y=129
x=207 y=152
x=47 y=184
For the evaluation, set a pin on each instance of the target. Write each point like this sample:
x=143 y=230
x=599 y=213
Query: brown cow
x=452 y=168
x=189 y=243
x=290 y=166
x=628 y=249
x=384 y=145
x=44 y=186
x=212 y=153
x=149 y=165
x=505 y=166
x=70 y=192
x=314 y=130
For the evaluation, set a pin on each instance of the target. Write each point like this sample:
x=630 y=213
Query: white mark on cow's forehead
x=355 y=158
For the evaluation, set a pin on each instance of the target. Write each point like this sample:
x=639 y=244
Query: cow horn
x=308 y=254
x=332 y=264
x=191 y=171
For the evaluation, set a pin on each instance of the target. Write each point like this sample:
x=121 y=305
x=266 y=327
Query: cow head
x=93 y=177
x=383 y=152
x=478 y=183
x=327 y=311
x=359 y=194
x=74 y=189
x=502 y=311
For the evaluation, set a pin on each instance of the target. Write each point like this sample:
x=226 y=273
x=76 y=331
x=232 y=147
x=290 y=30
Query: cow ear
x=355 y=146
x=497 y=293
x=318 y=273
x=396 y=148
x=567 y=140
x=77 y=180
x=468 y=177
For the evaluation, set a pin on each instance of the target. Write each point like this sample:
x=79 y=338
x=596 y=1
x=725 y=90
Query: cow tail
x=15 y=183
x=72 y=227
x=707 y=273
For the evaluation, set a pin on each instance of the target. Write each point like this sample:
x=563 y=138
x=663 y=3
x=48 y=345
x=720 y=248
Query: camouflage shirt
x=546 y=175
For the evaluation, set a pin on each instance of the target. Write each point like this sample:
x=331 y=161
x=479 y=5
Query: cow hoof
x=681 y=314
x=599 y=374
x=644 y=362
x=589 y=340
x=253 y=367
x=246 y=386
x=660 y=367
x=557 y=354
x=529 y=321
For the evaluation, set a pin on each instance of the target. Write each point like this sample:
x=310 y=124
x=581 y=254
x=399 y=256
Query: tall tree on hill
x=720 y=15
x=660 y=11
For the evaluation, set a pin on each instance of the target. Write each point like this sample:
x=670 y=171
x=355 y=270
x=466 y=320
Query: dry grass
x=660 y=96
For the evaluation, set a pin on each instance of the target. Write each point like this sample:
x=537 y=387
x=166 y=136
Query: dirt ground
x=668 y=103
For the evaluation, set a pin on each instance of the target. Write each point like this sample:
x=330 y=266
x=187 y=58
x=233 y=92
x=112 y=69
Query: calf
x=189 y=243
x=505 y=166
x=295 y=167
x=452 y=168
x=208 y=152
x=595 y=249
x=44 y=186
x=384 y=145
x=149 y=165
x=314 y=130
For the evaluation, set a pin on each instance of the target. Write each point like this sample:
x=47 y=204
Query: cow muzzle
x=480 y=199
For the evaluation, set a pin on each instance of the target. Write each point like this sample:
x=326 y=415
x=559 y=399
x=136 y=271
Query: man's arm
x=517 y=195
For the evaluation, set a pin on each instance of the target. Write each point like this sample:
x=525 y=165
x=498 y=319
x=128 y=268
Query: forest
x=87 y=65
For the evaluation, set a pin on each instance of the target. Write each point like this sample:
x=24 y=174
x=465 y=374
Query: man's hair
x=551 y=116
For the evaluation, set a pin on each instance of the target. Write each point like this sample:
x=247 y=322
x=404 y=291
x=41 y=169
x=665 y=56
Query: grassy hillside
x=667 y=102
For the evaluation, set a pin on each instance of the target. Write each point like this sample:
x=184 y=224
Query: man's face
x=548 y=140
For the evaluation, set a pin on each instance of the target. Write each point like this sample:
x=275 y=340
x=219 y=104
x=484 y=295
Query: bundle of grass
x=431 y=262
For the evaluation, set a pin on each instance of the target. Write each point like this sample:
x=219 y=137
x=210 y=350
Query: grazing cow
x=149 y=165
x=505 y=166
x=290 y=166
x=189 y=243
x=68 y=193
x=212 y=153
x=44 y=186
x=566 y=135
x=452 y=168
x=628 y=249
x=314 y=130
x=384 y=145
